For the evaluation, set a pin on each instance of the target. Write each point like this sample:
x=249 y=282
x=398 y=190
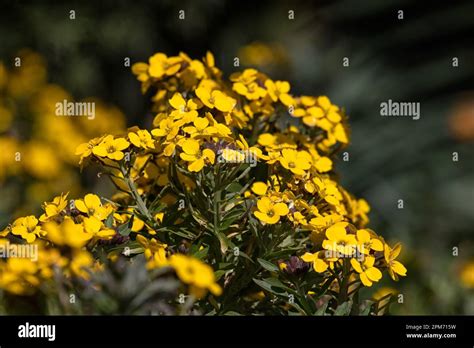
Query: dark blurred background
x=408 y=60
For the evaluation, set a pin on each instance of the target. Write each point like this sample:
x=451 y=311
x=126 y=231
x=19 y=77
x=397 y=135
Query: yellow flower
x=141 y=70
x=160 y=65
x=169 y=129
x=278 y=90
x=323 y=164
x=367 y=272
x=141 y=139
x=81 y=260
x=267 y=139
x=159 y=217
x=340 y=133
x=311 y=116
x=395 y=268
x=251 y=91
x=92 y=206
x=326 y=188
x=331 y=111
x=67 y=233
x=85 y=150
x=467 y=274
x=94 y=226
x=324 y=115
x=298 y=218
x=270 y=212
x=247 y=76
x=166 y=127
x=19 y=276
x=154 y=251
x=200 y=128
x=27 y=228
x=296 y=161
x=215 y=99
x=111 y=148
x=41 y=160
x=368 y=242
x=54 y=208
x=318 y=260
x=339 y=241
x=245 y=84
x=259 y=188
x=193 y=154
x=185 y=110
x=195 y=273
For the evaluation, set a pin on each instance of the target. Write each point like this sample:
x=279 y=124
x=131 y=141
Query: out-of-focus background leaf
x=407 y=59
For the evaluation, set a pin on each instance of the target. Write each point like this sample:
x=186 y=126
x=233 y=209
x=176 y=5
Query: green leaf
x=230 y=218
x=322 y=310
x=298 y=308
x=273 y=284
x=126 y=228
x=281 y=253
x=343 y=309
x=273 y=289
x=224 y=242
x=286 y=242
x=233 y=187
x=267 y=265
x=110 y=220
x=200 y=254
x=218 y=274
x=368 y=307
x=183 y=233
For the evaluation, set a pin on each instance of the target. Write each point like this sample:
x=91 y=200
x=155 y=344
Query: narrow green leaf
x=126 y=228
x=273 y=289
x=110 y=220
x=267 y=265
x=233 y=187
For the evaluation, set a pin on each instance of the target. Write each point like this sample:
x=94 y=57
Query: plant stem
x=140 y=203
x=344 y=285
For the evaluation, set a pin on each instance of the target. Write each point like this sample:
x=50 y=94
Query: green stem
x=304 y=302
x=140 y=203
x=344 y=286
x=217 y=199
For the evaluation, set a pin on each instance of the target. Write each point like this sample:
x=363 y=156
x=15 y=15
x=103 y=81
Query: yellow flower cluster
x=61 y=235
x=200 y=117
x=191 y=271
x=240 y=164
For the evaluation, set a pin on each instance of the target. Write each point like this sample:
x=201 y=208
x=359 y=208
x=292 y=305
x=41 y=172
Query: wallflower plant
x=281 y=236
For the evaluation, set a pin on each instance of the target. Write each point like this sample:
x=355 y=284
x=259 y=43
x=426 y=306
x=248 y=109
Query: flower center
x=271 y=213
x=111 y=149
x=291 y=164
